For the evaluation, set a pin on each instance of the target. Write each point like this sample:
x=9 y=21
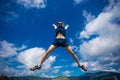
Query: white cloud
x=57 y=67
x=33 y=3
x=10 y=14
x=22 y=47
x=10 y=71
x=47 y=65
x=55 y=71
x=7 y=49
x=88 y=16
x=71 y=40
x=104 y=22
x=44 y=75
x=7 y=70
x=74 y=48
x=28 y=58
x=93 y=66
x=32 y=57
x=77 y=1
x=66 y=73
x=107 y=28
x=74 y=64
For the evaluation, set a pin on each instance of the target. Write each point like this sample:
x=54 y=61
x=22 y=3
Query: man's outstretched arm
x=55 y=27
x=66 y=27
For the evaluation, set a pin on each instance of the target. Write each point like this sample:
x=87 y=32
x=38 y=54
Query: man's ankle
x=79 y=65
x=39 y=65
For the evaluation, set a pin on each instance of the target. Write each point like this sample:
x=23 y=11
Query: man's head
x=60 y=23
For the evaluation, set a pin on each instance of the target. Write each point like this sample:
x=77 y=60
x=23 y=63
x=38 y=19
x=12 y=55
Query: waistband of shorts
x=60 y=38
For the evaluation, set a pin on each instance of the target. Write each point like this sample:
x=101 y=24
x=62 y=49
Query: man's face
x=60 y=23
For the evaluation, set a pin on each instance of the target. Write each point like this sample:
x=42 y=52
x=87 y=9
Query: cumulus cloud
x=55 y=71
x=8 y=53
x=32 y=57
x=28 y=58
x=47 y=65
x=88 y=16
x=22 y=47
x=74 y=64
x=7 y=70
x=7 y=49
x=33 y=3
x=66 y=73
x=106 y=45
x=10 y=71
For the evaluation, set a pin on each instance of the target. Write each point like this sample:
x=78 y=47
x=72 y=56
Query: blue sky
x=26 y=32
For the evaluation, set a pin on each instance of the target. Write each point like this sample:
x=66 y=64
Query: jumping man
x=60 y=40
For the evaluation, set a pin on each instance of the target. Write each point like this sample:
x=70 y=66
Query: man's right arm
x=55 y=27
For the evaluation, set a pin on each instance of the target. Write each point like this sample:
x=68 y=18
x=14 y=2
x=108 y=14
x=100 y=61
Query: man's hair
x=60 y=22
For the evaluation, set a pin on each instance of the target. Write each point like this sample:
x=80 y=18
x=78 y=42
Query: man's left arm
x=66 y=27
